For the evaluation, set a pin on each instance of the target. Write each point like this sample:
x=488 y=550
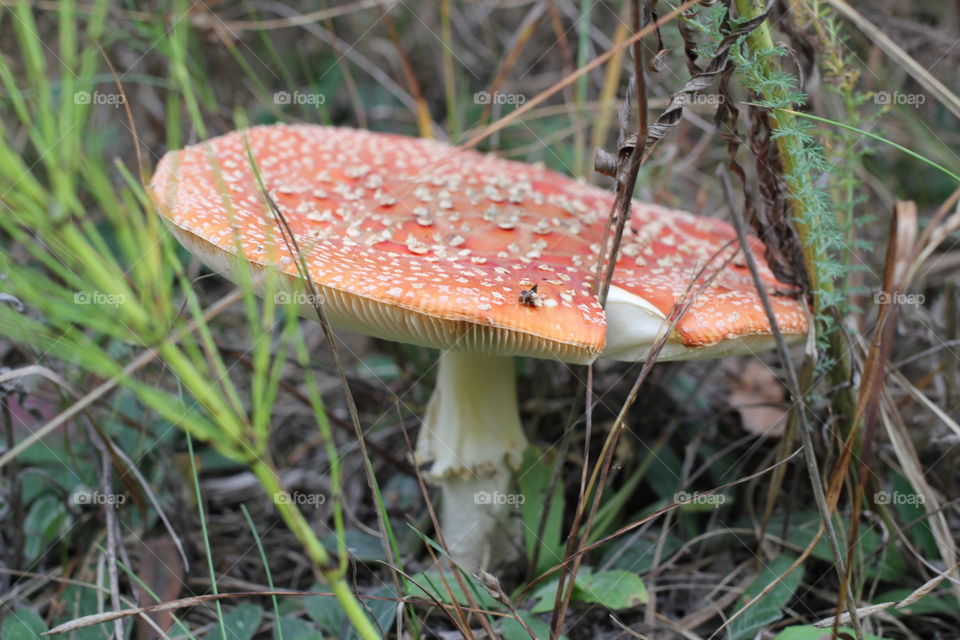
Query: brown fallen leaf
x=758 y=397
x=161 y=571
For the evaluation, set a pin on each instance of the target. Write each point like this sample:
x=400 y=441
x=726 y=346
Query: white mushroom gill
x=634 y=325
x=473 y=439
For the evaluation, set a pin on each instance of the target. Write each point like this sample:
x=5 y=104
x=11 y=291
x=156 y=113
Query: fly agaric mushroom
x=416 y=241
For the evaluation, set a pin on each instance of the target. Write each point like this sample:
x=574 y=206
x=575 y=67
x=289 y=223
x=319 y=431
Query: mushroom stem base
x=473 y=439
x=476 y=525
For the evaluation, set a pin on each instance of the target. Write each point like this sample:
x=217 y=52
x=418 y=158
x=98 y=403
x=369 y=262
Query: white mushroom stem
x=472 y=435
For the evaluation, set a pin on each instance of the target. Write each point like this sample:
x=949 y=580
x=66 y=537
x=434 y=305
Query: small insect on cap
x=406 y=239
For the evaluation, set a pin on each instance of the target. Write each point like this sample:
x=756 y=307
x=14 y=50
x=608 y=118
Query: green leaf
x=77 y=602
x=325 y=611
x=383 y=609
x=362 y=546
x=769 y=608
x=34 y=484
x=241 y=623
x=510 y=629
x=296 y=629
x=809 y=632
x=534 y=478
x=637 y=555
x=878 y=561
x=42 y=525
x=23 y=624
x=545 y=595
x=664 y=474
x=329 y=615
x=910 y=509
x=613 y=505
x=431 y=585
x=615 y=589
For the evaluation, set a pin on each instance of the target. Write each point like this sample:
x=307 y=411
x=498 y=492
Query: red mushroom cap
x=666 y=251
x=417 y=241
x=408 y=239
